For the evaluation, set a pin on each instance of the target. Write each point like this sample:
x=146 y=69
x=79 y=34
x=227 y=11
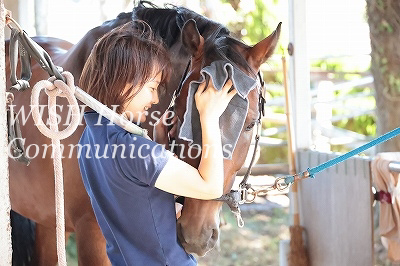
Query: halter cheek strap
x=246 y=193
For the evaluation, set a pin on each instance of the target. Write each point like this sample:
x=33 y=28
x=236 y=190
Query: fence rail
x=323 y=102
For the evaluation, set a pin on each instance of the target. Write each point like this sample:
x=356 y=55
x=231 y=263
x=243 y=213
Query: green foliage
x=256 y=19
x=363 y=124
x=257 y=22
x=72 y=254
x=385 y=26
x=394 y=82
x=328 y=65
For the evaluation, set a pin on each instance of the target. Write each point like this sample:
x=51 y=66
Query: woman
x=131 y=180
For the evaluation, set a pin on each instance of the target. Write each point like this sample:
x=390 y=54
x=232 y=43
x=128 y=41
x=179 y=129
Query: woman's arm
x=206 y=182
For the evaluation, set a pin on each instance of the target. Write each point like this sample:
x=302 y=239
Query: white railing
x=322 y=103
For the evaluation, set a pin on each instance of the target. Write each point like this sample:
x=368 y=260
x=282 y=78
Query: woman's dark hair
x=128 y=54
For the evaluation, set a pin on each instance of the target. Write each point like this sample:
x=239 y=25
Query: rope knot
x=53 y=88
x=52 y=91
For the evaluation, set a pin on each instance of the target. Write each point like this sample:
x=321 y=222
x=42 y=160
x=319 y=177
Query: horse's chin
x=199 y=251
x=198 y=248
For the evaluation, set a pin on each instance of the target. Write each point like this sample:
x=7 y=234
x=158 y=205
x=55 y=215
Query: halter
x=246 y=193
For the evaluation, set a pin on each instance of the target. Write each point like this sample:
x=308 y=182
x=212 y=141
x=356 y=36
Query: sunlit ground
x=257 y=243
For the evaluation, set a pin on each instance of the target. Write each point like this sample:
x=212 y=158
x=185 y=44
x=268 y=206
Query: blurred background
x=344 y=103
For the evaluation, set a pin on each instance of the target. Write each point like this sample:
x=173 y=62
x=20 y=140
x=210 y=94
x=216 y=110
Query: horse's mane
x=167 y=23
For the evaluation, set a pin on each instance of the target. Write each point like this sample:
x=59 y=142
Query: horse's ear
x=191 y=37
x=260 y=52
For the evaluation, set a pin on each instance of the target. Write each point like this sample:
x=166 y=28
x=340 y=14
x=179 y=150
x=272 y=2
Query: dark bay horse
x=188 y=36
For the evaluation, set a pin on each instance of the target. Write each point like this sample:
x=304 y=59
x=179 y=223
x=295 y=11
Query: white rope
x=54 y=88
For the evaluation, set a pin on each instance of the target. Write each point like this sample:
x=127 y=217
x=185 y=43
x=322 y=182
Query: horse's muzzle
x=200 y=244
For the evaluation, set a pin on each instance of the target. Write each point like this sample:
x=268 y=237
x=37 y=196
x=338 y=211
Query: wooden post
x=299 y=78
x=299 y=81
x=5 y=207
x=299 y=74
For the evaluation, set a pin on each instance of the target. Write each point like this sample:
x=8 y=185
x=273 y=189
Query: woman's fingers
x=172 y=131
x=232 y=93
x=201 y=88
x=227 y=86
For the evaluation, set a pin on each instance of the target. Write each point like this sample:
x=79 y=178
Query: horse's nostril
x=214 y=235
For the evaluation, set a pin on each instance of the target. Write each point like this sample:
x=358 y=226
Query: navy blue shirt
x=138 y=220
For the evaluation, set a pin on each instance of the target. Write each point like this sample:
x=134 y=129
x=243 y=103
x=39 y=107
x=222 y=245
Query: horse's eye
x=249 y=127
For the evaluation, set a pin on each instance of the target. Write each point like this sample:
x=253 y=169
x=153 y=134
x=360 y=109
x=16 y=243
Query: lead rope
x=54 y=88
x=310 y=172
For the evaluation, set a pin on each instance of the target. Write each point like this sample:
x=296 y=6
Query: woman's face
x=136 y=109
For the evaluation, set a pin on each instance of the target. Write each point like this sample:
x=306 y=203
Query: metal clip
x=9 y=99
x=247 y=195
x=280 y=184
x=10 y=20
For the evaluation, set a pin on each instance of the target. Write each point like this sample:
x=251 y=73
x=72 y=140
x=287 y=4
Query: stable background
x=343 y=106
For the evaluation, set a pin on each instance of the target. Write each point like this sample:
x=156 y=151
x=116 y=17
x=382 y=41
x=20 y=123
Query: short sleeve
x=142 y=159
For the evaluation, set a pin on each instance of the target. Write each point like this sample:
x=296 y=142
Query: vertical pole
x=5 y=207
x=299 y=78
x=299 y=74
x=299 y=81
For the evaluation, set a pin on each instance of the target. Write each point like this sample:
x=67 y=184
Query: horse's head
x=198 y=226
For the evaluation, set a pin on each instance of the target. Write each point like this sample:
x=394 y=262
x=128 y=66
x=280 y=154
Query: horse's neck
x=75 y=58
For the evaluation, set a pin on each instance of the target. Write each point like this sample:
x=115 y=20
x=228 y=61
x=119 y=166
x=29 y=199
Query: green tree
x=257 y=23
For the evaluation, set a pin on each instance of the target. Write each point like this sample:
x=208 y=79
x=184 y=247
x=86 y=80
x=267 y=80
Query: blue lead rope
x=312 y=171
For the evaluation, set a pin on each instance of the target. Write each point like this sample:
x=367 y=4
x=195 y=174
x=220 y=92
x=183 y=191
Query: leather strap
x=28 y=49
x=26 y=73
x=15 y=138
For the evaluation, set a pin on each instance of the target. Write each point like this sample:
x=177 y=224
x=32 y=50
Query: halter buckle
x=247 y=195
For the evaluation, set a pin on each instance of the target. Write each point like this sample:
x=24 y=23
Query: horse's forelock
x=227 y=48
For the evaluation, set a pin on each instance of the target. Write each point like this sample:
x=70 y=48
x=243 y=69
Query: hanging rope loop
x=57 y=88
x=53 y=88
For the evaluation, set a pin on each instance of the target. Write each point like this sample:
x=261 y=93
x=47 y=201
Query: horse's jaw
x=196 y=233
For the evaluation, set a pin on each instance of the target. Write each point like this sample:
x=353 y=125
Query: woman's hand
x=161 y=134
x=211 y=103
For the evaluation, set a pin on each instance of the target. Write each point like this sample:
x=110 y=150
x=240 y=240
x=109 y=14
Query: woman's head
x=126 y=68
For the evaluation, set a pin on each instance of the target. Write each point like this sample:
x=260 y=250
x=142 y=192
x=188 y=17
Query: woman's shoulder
x=123 y=136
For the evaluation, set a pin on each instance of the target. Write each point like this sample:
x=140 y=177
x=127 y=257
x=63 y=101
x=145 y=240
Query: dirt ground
x=257 y=243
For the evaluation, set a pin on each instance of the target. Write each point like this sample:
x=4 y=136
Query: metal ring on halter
x=244 y=192
x=250 y=191
x=280 y=184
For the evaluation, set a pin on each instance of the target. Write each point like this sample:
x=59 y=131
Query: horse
x=189 y=37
